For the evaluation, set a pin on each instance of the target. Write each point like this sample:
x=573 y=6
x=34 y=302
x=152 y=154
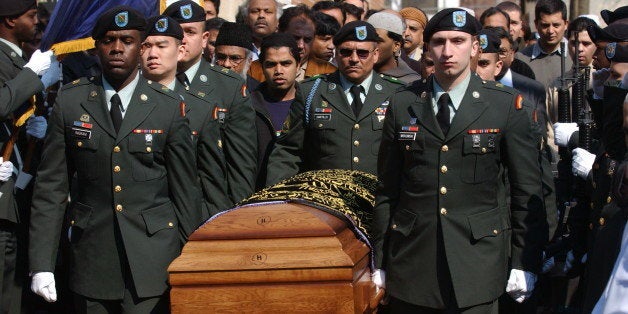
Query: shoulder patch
x=78 y=82
x=492 y=85
x=225 y=72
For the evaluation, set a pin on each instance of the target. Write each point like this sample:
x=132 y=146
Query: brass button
x=116 y=149
x=79 y=144
x=320 y=125
x=495 y=231
x=119 y=207
x=591 y=226
x=116 y=169
x=356 y=143
x=148 y=149
x=170 y=224
x=591 y=205
x=608 y=199
x=602 y=221
x=356 y=159
x=356 y=126
x=443 y=190
x=72 y=222
x=445 y=148
x=443 y=169
x=483 y=150
x=407 y=147
x=394 y=226
x=443 y=211
x=117 y=188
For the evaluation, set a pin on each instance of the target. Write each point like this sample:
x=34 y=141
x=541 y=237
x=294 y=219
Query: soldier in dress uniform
x=237 y=143
x=19 y=82
x=442 y=237
x=138 y=199
x=335 y=121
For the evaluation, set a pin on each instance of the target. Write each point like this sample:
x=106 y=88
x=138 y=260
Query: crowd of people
x=500 y=155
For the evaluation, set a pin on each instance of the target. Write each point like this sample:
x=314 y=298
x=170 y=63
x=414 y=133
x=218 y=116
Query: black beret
x=616 y=52
x=452 y=19
x=162 y=25
x=16 y=7
x=186 y=11
x=489 y=41
x=118 y=18
x=616 y=32
x=356 y=31
x=611 y=16
x=235 y=34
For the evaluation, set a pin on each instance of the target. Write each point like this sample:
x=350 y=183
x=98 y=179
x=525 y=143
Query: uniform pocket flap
x=83 y=138
x=80 y=215
x=159 y=218
x=144 y=143
x=479 y=143
x=486 y=224
x=403 y=222
x=323 y=122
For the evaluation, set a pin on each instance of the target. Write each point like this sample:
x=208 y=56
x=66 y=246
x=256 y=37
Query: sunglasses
x=362 y=53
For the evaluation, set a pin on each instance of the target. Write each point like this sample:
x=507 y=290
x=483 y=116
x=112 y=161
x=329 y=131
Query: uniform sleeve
x=286 y=158
x=240 y=147
x=50 y=195
x=182 y=176
x=389 y=166
x=529 y=225
x=15 y=91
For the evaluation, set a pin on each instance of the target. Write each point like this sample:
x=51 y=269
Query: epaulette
x=198 y=94
x=493 y=85
x=163 y=90
x=392 y=79
x=77 y=82
x=226 y=72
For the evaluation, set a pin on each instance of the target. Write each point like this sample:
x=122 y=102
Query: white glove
x=563 y=132
x=548 y=264
x=43 y=284
x=582 y=162
x=53 y=74
x=520 y=284
x=36 y=126
x=379 y=278
x=6 y=170
x=40 y=61
x=569 y=260
x=598 y=79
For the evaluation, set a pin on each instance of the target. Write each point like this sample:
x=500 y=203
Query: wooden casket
x=273 y=258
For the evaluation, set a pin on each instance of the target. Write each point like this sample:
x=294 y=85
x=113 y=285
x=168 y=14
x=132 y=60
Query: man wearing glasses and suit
x=335 y=121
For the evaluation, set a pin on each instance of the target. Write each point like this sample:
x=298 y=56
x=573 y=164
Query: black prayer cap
x=452 y=19
x=118 y=18
x=16 y=7
x=162 y=25
x=356 y=31
x=235 y=34
x=616 y=32
x=186 y=11
x=489 y=41
x=611 y=16
x=617 y=52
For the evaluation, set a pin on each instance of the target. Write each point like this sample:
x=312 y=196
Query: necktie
x=183 y=79
x=356 y=105
x=443 y=114
x=116 y=114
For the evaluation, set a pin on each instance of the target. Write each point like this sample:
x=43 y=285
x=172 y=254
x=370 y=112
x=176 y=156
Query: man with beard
x=138 y=200
x=299 y=22
x=279 y=56
x=234 y=50
x=415 y=21
x=335 y=120
x=233 y=112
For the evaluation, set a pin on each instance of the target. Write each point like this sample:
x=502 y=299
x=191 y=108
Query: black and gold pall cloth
x=345 y=194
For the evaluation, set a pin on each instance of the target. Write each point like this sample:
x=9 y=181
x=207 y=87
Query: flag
x=70 y=26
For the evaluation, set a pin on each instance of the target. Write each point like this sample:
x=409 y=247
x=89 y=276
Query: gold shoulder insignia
x=76 y=81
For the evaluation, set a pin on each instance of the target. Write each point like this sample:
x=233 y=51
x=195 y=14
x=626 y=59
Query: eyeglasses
x=362 y=53
x=235 y=59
